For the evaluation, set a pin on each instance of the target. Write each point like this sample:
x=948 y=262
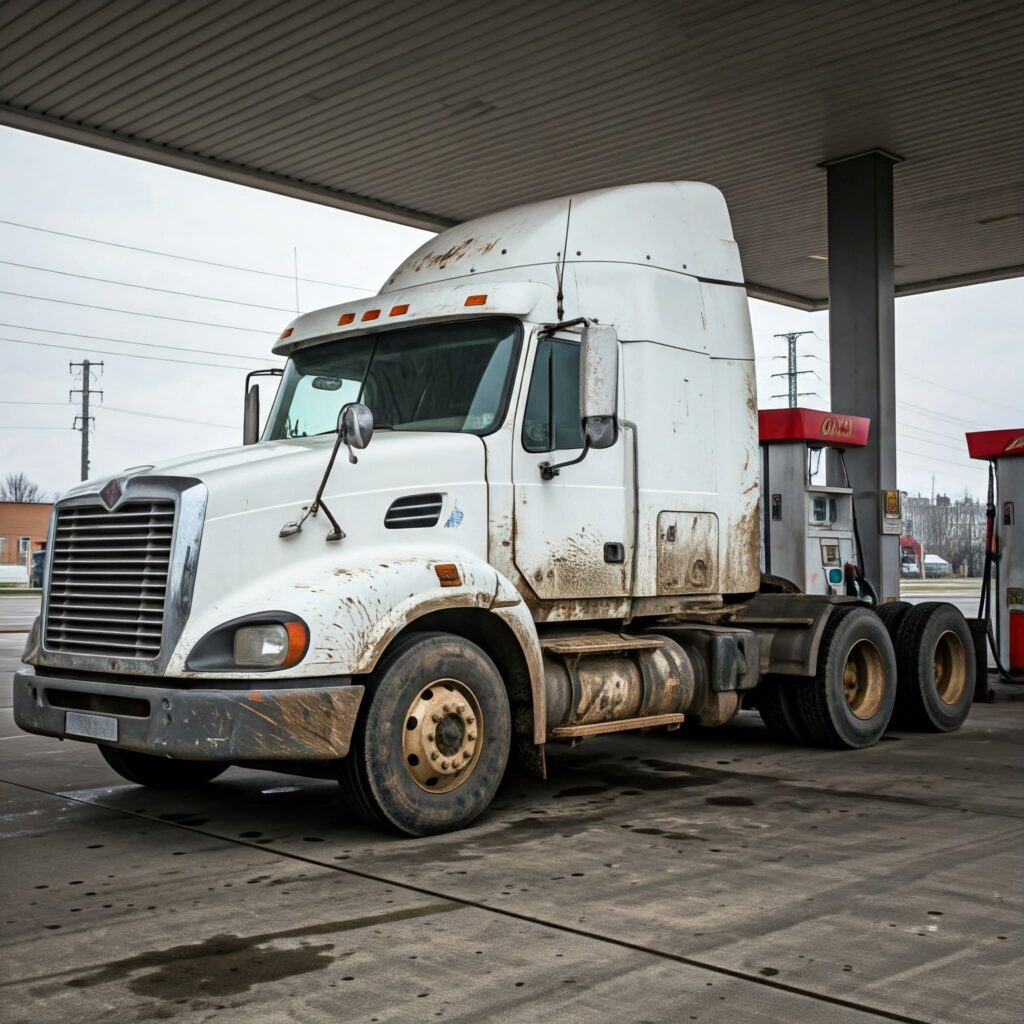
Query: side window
x=552 y=421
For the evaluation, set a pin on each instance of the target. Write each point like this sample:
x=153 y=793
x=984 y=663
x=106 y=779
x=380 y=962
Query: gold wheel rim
x=949 y=666
x=864 y=679
x=442 y=736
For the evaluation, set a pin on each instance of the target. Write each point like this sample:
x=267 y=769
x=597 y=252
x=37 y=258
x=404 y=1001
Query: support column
x=863 y=341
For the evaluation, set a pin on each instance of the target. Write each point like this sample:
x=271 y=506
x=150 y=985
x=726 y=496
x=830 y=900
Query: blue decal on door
x=455 y=519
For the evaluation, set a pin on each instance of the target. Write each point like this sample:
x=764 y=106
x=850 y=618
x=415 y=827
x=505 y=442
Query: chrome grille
x=108 y=579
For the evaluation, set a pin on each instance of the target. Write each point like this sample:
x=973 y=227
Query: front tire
x=935 y=655
x=433 y=739
x=850 y=700
x=160 y=772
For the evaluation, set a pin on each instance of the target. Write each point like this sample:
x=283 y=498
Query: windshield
x=451 y=377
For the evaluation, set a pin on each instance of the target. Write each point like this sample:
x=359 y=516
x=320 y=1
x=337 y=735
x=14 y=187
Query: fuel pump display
x=808 y=533
x=1002 y=600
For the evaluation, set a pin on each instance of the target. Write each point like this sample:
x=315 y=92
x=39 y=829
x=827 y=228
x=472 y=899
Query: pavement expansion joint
x=652 y=951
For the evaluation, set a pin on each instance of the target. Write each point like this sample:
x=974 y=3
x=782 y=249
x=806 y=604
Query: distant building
x=953 y=530
x=23 y=527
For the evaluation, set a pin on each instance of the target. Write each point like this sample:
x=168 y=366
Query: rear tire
x=937 y=675
x=779 y=709
x=432 y=742
x=850 y=700
x=160 y=772
x=892 y=616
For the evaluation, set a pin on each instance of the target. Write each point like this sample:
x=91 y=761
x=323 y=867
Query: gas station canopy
x=429 y=113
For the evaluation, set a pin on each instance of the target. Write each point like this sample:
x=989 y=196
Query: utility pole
x=792 y=373
x=85 y=419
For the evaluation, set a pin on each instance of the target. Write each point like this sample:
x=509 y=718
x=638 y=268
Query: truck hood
x=286 y=474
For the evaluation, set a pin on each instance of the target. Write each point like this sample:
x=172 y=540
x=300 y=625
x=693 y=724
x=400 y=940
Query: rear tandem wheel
x=849 y=701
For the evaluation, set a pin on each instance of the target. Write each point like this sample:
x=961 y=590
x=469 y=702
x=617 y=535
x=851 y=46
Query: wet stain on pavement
x=227 y=964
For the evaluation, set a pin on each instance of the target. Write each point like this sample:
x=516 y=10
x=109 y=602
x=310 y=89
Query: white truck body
x=450 y=522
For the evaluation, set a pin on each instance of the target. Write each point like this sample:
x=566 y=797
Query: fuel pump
x=1004 y=545
x=809 y=533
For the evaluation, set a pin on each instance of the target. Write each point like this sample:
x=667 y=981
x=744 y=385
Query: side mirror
x=251 y=409
x=599 y=384
x=355 y=426
x=251 y=416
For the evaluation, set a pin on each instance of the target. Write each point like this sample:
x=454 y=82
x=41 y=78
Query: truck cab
x=510 y=500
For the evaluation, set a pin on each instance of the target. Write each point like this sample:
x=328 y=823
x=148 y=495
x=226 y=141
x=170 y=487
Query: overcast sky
x=960 y=353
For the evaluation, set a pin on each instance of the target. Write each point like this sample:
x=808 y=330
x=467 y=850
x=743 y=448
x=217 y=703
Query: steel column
x=862 y=340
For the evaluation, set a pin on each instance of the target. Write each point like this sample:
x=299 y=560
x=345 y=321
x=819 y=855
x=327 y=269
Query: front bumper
x=311 y=723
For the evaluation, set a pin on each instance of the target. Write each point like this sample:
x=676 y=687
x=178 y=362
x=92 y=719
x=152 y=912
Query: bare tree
x=18 y=487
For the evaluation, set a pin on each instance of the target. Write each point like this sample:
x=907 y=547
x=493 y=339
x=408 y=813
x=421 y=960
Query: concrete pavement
x=709 y=876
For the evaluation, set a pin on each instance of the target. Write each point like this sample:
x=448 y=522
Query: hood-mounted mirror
x=355 y=429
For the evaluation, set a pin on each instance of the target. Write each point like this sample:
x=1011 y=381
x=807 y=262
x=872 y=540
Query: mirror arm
x=549 y=471
x=290 y=529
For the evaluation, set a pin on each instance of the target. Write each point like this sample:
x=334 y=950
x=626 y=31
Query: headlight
x=270 y=645
x=263 y=641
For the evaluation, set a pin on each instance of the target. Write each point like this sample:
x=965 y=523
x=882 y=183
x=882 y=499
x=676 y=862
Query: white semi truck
x=554 y=534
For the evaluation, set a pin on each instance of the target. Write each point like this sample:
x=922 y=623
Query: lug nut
x=470 y=719
x=447 y=709
x=467 y=754
x=430 y=737
x=435 y=717
x=445 y=765
x=461 y=709
x=433 y=755
x=471 y=736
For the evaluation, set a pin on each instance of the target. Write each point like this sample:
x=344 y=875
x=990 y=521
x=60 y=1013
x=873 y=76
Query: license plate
x=96 y=727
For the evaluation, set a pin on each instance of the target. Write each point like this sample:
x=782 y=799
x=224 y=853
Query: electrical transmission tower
x=792 y=373
x=84 y=422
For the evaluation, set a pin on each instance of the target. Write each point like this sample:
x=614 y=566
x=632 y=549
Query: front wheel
x=160 y=772
x=433 y=738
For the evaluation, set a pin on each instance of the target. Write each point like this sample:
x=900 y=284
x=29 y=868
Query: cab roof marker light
x=371 y=314
x=399 y=310
x=476 y=300
x=286 y=333
x=345 y=319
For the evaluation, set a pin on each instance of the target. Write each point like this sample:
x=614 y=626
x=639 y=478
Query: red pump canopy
x=995 y=444
x=823 y=429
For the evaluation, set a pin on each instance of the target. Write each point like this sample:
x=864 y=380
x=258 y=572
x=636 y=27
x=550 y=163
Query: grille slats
x=108 y=579
x=414 y=510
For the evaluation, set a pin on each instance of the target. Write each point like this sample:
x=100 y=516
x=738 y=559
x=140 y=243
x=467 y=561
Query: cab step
x=597 y=642
x=579 y=732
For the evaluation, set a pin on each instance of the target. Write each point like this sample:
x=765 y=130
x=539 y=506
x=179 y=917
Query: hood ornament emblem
x=111 y=493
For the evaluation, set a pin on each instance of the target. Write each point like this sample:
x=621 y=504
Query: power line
x=920 y=410
x=128 y=412
x=175 y=419
x=4 y=426
x=135 y=312
x=938 y=444
x=935 y=383
x=147 y=287
x=934 y=458
x=958 y=391
x=938 y=433
x=126 y=355
x=178 y=256
x=143 y=344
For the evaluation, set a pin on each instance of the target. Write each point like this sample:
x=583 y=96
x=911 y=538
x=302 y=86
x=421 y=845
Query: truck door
x=573 y=534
